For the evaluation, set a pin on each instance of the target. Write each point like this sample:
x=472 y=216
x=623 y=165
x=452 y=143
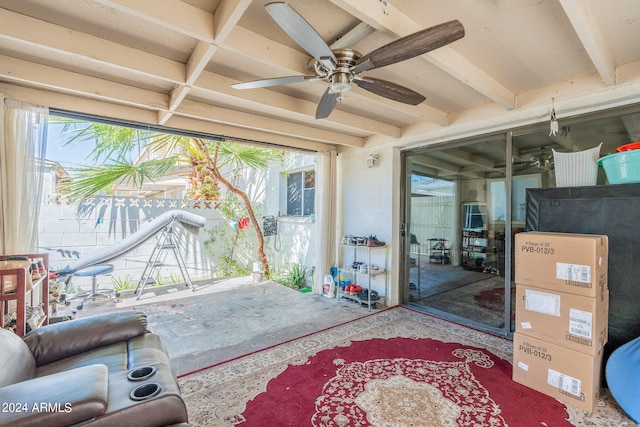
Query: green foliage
x=239 y=155
x=229 y=267
x=91 y=180
x=295 y=277
x=110 y=141
x=223 y=243
x=175 y=279
x=120 y=284
x=226 y=244
x=117 y=150
x=203 y=192
x=159 y=280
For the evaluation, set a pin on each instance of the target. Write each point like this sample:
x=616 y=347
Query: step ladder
x=164 y=244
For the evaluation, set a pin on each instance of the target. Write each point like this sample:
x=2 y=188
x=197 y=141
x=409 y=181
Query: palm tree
x=209 y=158
x=205 y=160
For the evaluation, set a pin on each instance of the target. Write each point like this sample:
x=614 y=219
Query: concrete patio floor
x=225 y=319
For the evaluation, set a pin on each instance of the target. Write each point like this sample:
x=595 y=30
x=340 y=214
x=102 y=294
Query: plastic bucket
x=629 y=147
x=622 y=167
x=577 y=168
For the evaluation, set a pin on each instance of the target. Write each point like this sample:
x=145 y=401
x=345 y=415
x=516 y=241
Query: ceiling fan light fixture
x=339 y=87
x=340 y=82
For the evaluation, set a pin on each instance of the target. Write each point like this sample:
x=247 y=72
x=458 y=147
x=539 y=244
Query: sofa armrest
x=60 y=340
x=60 y=399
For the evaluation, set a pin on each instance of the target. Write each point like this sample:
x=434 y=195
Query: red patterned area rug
x=400 y=382
x=391 y=369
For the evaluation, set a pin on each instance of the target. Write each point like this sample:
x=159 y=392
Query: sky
x=69 y=156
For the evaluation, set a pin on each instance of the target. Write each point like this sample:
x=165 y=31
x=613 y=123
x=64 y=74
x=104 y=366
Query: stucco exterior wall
x=365 y=207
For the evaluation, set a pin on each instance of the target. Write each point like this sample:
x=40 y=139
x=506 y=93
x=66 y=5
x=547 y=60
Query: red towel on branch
x=243 y=223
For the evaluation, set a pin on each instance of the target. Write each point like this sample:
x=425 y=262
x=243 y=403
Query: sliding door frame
x=405 y=212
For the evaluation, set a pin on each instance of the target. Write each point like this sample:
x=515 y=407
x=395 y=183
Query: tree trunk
x=254 y=221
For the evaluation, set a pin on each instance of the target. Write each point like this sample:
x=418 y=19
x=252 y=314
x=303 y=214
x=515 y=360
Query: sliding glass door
x=457 y=222
x=464 y=201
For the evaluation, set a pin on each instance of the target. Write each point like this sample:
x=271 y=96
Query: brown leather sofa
x=106 y=370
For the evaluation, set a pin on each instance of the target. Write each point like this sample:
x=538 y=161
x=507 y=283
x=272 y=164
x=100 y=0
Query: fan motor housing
x=345 y=60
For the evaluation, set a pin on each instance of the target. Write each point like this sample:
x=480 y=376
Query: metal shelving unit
x=355 y=272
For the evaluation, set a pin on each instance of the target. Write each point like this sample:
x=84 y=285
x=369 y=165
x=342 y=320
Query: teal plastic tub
x=622 y=167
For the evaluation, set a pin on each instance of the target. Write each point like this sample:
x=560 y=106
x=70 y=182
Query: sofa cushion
x=65 y=339
x=113 y=356
x=142 y=350
x=16 y=361
x=146 y=349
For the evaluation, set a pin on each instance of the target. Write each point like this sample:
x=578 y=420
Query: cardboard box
x=570 y=376
x=572 y=321
x=562 y=262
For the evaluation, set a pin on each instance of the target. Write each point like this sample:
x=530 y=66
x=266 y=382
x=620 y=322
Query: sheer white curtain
x=23 y=142
x=326 y=215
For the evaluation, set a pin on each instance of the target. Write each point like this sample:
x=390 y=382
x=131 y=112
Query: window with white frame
x=301 y=192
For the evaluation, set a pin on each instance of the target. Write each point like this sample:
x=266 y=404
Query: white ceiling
x=172 y=63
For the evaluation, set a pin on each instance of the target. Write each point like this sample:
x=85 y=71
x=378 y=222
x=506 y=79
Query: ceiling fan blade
x=326 y=105
x=390 y=90
x=411 y=46
x=274 y=82
x=302 y=33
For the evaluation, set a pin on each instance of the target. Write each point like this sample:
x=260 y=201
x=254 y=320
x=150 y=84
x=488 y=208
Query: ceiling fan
x=342 y=67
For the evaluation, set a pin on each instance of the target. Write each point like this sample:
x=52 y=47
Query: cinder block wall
x=70 y=232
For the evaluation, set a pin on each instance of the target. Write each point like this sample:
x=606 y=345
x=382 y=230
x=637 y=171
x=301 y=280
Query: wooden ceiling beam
x=175 y=15
x=202 y=111
x=246 y=134
x=586 y=27
x=224 y=20
x=226 y=17
x=51 y=78
x=61 y=81
x=199 y=59
x=468 y=157
x=386 y=18
x=96 y=53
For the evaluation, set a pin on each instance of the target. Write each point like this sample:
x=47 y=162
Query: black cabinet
x=612 y=210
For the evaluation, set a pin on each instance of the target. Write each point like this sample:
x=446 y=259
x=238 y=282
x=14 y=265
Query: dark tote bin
x=611 y=210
